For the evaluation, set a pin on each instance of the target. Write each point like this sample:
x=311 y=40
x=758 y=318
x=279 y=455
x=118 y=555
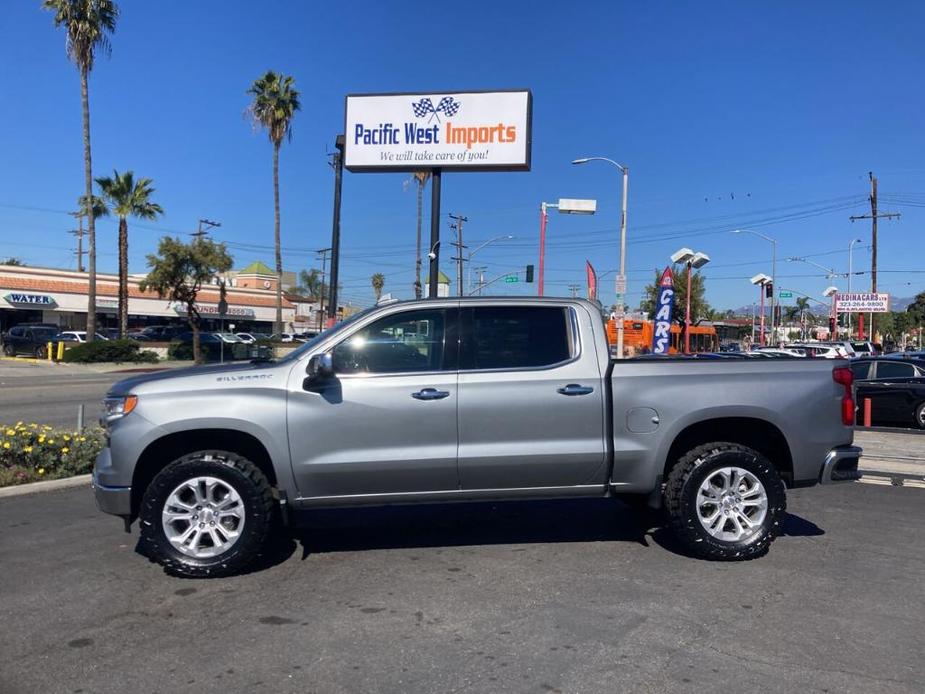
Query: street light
x=829 y=272
x=692 y=260
x=760 y=280
x=773 y=243
x=833 y=319
x=565 y=206
x=621 y=278
x=850 y=273
x=506 y=237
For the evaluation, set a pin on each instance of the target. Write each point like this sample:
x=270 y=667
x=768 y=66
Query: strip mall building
x=59 y=297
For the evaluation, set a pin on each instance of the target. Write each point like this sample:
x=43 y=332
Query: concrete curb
x=48 y=486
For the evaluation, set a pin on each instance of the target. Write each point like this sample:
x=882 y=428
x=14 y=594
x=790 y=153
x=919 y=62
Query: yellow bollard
x=49 y=351
x=60 y=351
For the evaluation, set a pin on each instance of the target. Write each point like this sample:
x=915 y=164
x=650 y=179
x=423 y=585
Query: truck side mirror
x=320 y=367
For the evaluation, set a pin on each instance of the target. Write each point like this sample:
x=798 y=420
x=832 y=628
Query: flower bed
x=33 y=452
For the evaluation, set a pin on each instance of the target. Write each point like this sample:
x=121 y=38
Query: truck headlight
x=115 y=407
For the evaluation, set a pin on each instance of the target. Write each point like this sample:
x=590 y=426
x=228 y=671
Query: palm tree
x=127 y=198
x=378 y=281
x=275 y=101
x=88 y=24
x=310 y=284
x=421 y=177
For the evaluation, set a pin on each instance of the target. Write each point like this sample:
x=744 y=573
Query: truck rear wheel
x=725 y=501
x=206 y=514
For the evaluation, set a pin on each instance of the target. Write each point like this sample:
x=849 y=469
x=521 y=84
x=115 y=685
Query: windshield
x=323 y=335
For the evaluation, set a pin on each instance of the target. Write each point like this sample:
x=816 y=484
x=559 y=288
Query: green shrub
x=33 y=452
x=109 y=351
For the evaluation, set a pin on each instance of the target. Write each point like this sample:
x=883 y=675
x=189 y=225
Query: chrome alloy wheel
x=732 y=504
x=203 y=517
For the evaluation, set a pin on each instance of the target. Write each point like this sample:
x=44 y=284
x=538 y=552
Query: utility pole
x=574 y=289
x=79 y=233
x=338 y=165
x=200 y=232
x=324 y=266
x=459 y=220
x=873 y=216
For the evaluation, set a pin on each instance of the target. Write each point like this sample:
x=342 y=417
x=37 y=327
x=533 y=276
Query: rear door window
x=515 y=337
x=861 y=370
x=886 y=369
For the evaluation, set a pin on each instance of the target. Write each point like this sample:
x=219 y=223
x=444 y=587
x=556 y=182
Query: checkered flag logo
x=447 y=106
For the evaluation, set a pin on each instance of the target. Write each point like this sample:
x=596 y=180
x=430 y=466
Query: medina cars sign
x=30 y=300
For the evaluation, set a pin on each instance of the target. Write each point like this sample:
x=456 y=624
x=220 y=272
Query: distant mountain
x=896 y=304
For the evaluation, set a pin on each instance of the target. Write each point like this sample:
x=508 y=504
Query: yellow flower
x=65 y=449
x=34 y=425
x=83 y=438
x=41 y=471
x=50 y=441
x=6 y=444
x=27 y=449
x=19 y=423
x=42 y=439
x=10 y=432
x=67 y=438
x=46 y=427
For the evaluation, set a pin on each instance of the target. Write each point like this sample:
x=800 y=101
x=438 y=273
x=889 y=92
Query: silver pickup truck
x=468 y=399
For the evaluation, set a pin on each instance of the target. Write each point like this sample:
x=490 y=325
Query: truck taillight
x=845 y=377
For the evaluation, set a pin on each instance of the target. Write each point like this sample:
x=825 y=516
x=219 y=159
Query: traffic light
x=768 y=290
x=529 y=273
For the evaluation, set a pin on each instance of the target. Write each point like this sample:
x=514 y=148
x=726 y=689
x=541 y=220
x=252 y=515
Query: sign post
x=438 y=131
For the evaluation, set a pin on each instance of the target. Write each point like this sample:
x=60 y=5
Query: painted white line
x=867 y=479
x=47 y=486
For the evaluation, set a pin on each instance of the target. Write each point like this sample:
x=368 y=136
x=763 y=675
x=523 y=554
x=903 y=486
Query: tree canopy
x=700 y=309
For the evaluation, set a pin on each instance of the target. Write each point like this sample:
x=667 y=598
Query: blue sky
x=729 y=114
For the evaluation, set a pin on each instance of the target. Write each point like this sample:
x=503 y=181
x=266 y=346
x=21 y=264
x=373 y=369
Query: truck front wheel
x=206 y=514
x=725 y=501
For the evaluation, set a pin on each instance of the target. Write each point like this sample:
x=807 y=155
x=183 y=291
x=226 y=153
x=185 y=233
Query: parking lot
x=572 y=596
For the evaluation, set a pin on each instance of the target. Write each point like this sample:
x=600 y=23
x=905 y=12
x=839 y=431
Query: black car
x=29 y=338
x=895 y=388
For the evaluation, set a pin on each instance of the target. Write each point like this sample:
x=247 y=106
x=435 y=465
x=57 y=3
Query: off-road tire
x=41 y=352
x=258 y=502
x=685 y=479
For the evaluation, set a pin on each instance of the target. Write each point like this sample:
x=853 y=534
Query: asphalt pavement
x=570 y=596
x=51 y=393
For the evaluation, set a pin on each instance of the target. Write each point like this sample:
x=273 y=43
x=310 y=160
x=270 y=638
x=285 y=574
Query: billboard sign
x=862 y=303
x=475 y=131
x=30 y=300
x=661 y=336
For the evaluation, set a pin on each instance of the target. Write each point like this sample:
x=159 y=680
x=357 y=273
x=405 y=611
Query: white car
x=822 y=350
x=781 y=351
x=228 y=337
x=77 y=336
x=282 y=337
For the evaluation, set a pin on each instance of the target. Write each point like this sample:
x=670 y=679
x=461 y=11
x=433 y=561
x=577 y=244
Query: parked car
x=163 y=333
x=282 y=337
x=77 y=336
x=820 y=350
x=30 y=339
x=109 y=333
x=908 y=354
x=139 y=336
x=893 y=401
x=228 y=337
x=782 y=351
x=528 y=406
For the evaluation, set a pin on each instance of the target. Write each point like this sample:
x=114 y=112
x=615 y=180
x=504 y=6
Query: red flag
x=592 y=281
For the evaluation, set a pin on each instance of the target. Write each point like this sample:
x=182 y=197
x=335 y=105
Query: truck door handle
x=430 y=394
x=576 y=389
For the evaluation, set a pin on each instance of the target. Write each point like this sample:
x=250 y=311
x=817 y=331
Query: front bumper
x=841 y=465
x=110 y=499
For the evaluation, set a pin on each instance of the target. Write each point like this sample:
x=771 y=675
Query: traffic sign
x=619 y=285
x=511 y=278
x=786 y=295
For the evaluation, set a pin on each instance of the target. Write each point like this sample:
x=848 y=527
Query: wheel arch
x=759 y=434
x=169 y=447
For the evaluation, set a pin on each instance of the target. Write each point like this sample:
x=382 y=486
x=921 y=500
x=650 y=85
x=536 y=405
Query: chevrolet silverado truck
x=461 y=400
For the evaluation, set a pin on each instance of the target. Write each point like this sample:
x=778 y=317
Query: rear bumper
x=841 y=465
